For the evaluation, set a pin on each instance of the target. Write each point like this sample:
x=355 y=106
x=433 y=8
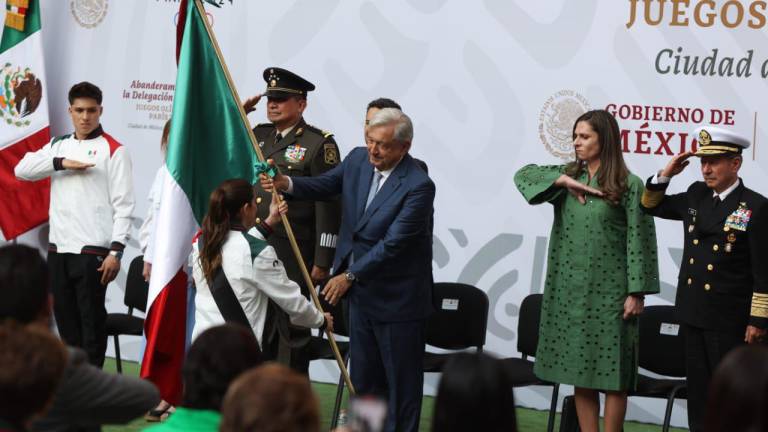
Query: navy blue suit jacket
x=391 y=240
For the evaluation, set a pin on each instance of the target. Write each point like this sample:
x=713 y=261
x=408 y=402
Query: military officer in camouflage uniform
x=722 y=291
x=298 y=149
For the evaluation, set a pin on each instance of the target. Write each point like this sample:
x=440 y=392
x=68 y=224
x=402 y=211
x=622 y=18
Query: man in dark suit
x=299 y=150
x=383 y=260
x=722 y=292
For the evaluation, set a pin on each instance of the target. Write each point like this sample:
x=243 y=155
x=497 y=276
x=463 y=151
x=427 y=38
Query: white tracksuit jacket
x=256 y=275
x=92 y=207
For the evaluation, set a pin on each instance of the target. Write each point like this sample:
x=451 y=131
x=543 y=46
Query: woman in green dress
x=602 y=261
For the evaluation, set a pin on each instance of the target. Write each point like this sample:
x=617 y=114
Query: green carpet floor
x=528 y=420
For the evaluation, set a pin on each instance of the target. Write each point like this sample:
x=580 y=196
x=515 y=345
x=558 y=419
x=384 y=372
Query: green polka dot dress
x=598 y=255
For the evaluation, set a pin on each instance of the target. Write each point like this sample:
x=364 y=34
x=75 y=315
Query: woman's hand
x=328 y=321
x=633 y=306
x=577 y=189
x=277 y=207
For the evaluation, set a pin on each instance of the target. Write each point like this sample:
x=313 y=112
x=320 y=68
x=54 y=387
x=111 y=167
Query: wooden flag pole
x=286 y=223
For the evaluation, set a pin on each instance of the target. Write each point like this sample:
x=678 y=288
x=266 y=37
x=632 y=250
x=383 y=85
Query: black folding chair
x=136 y=291
x=662 y=351
x=520 y=370
x=459 y=322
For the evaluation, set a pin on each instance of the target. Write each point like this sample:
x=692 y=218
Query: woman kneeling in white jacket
x=236 y=272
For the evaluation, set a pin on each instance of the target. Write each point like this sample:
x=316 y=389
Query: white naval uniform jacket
x=92 y=207
x=256 y=275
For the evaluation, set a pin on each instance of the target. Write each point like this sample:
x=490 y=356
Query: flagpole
x=286 y=223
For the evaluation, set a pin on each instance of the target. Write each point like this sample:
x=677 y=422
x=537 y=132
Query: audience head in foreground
x=270 y=398
x=738 y=393
x=475 y=393
x=32 y=362
x=24 y=285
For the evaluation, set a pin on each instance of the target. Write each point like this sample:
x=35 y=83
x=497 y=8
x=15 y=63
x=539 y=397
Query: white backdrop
x=491 y=85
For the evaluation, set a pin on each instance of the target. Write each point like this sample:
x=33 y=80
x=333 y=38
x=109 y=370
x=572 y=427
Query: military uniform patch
x=295 y=153
x=331 y=155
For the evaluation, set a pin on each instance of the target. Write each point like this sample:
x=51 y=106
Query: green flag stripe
x=209 y=141
x=12 y=37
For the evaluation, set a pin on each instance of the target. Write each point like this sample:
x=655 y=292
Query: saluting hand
x=250 y=104
x=676 y=165
x=109 y=269
x=577 y=189
x=72 y=164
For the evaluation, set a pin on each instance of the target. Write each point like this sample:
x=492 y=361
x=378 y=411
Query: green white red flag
x=24 y=124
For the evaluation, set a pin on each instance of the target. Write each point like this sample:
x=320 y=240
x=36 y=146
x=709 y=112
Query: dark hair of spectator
x=213 y=361
x=613 y=173
x=23 y=283
x=32 y=362
x=475 y=393
x=271 y=398
x=223 y=211
x=738 y=393
x=84 y=90
x=383 y=103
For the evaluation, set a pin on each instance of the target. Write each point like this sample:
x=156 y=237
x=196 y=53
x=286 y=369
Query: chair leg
x=668 y=412
x=339 y=397
x=117 y=355
x=553 y=408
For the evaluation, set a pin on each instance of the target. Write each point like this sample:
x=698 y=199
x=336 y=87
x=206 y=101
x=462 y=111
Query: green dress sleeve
x=642 y=257
x=537 y=183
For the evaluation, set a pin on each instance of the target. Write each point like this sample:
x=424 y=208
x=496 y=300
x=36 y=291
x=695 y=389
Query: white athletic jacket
x=147 y=230
x=256 y=275
x=89 y=208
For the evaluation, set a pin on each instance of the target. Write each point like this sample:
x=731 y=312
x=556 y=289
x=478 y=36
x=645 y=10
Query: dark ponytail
x=223 y=207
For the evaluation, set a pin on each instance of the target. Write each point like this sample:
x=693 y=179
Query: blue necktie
x=374 y=188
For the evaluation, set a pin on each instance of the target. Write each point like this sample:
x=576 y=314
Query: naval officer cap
x=715 y=141
x=283 y=83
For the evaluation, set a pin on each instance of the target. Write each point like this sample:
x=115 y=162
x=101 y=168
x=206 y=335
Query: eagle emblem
x=20 y=94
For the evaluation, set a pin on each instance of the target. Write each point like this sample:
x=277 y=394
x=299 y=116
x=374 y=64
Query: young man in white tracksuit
x=89 y=216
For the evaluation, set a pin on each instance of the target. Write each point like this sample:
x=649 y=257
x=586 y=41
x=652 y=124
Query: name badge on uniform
x=692 y=212
x=295 y=153
x=739 y=219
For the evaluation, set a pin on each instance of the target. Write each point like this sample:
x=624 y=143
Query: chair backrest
x=528 y=324
x=136 y=289
x=662 y=342
x=460 y=318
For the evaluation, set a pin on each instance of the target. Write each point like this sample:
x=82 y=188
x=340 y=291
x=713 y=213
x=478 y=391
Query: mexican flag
x=208 y=143
x=23 y=117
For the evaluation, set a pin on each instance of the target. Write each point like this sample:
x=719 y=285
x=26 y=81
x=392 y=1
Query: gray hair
x=402 y=123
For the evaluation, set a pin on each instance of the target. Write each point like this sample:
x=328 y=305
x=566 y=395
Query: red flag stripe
x=165 y=326
x=24 y=204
